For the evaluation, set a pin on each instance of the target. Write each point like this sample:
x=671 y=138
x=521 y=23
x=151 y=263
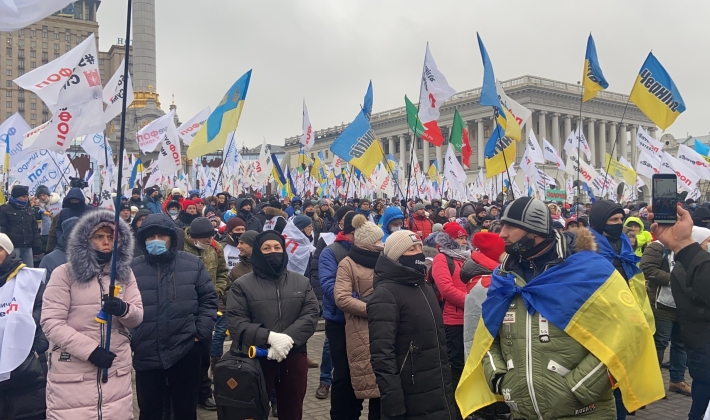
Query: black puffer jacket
x=259 y=303
x=179 y=300
x=23 y=395
x=408 y=346
x=252 y=222
x=313 y=270
x=21 y=226
x=68 y=211
x=692 y=295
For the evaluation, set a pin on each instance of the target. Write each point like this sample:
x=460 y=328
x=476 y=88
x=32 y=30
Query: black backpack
x=430 y=279
x=240 y=387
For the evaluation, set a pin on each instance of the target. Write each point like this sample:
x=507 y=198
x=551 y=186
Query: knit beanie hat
x=454 y=230
x=307 y=203
x=529 y=214
x=419 y=206
x=365 y=231
x=248 y=237
x=149 y=191
x=437 y=227
x=136 y=191
x=176 y=191
x=41 y=189
x=186 y=203
x=348 y=223
x=601 y=211
x=19 y=191
x=490 y=244
x=399 y=242
x=6 y=243
x=342 y=211
x=234 y=222
x=302 y=222
x=201 y=227
x=173 y=205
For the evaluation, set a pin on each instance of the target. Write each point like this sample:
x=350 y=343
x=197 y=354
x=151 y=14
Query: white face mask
x=395 y=229
x=200 y=245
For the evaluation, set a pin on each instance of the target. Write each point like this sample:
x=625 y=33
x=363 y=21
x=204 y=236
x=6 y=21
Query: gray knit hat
x=365 y=231
x=201 y=227
x=419 y=206
x=248 y=237
x=399 y=242
x=529 y=214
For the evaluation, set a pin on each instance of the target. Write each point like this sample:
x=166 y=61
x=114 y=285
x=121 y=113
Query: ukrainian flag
x=276 y=172
x=223 y=120
x=433 y=172
x=358 y=145
x=703 y=149
x=499 y=153
x=656 y=95
x=593 y=79
x=588 y=299
x=489 y=97
x=137 y=168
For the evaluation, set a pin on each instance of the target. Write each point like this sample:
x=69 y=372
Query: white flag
x=230 y=155
x=586 y=172
x=521 y=114
x=12 y=130
x=532 y=154
x=648 y=164
x=307 y=138
x=570 y=191
x=113 y=93
x=106 y=202
x=454 y=172
x=169 y=160
x=18 y=14
x=152 y=134
x=154 y=175
x=66 y=124
x=189 y=128
x=434 y=91
x=552 y=155
x=263 y=167
x=576 y=140
x=687 y=177
x=694 y=160
x=648 y=143
x=96 y=146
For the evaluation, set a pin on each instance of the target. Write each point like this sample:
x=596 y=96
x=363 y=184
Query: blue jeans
x=620 y=409
x=667 y=330
x=25 y=254
x=220 y=333
x=326 y=365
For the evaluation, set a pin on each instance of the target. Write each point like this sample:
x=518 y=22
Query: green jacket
x=213 y=259
x=541 y=372
x=643 y=238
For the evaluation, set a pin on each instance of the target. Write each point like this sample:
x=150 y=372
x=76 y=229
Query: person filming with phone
x=690 y=284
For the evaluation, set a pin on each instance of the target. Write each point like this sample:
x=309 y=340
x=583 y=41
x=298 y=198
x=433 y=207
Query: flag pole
x=114 y=256
x=618 y=128
x=579 y=157
x=411 y=153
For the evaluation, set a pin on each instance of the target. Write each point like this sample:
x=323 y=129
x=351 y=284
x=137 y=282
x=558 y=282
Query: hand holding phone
x=664 y=198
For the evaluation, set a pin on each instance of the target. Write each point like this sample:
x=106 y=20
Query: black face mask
x=275 y=259
x=526 y=247
x=235 y=237
x=103 y=257
x=75 y=206
x=614 y=231
x=415 y=261
x=310 y=213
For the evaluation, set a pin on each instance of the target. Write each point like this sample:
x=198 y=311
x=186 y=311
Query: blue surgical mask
x=297 y=212
x=173 y=212
x=155 y=247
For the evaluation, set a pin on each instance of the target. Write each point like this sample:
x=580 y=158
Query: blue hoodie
x=390 y=214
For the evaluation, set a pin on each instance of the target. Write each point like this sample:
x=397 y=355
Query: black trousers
x=699 y=369
x=184 y=379
x=455 y=350
x=205 y=381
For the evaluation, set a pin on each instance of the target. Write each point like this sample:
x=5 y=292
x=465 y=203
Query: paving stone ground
x=675 y=407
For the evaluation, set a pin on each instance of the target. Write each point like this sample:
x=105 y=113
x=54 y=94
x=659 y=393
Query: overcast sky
x=326 y=51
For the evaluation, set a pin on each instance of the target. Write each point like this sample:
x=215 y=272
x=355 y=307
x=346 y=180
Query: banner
x=694 y=160
x=298 y=248
x=264 y=166
x=593 y=80
x=98 y=148
x=655 y=94
x=570 y=190
x=189 y=129
x=551 y=155
x=358 y=145
x=586 y=172
x=113 y=94
x=154 y=132
x=577 y=140
x=169 y=160
x=12 y=131
x=555 y=195
x=619 y=170
x=648 y=164
x=648 y=143
x=687 y=177
x=307 y=139
x=434 y=90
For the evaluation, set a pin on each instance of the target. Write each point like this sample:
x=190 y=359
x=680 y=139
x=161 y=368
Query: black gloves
x=101 y=359
x=115 y=306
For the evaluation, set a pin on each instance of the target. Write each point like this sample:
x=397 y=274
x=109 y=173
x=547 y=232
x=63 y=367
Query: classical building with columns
x=556 y=112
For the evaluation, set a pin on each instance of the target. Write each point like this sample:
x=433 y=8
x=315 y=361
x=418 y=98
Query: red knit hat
x=454 y=230
x=490 y=244
x=186 y=203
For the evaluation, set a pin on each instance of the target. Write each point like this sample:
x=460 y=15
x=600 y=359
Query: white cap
x=176 y=191
x=6 y=243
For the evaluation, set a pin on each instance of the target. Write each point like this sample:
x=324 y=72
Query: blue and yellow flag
x=702 y=149
x=392 y=166
x=137 y=168
x=656 y=95
x=490 y=97
x=223 y=120
x=590 y=301
x=358 y=145
x=367 y=101
x=433 y=172
x=290 y=186
x=593 y=80
x=499 y=153
x=276 y=171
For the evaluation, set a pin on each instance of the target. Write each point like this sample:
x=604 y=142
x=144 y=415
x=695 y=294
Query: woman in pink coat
x=72 y=300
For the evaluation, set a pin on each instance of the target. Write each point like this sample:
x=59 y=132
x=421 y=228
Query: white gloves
x=281 y=344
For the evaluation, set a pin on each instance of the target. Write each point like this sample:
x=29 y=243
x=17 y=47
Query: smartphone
x=664 y=198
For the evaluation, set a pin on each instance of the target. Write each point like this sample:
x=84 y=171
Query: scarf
x=364 y=257
x=627 y=256
x=19 y=204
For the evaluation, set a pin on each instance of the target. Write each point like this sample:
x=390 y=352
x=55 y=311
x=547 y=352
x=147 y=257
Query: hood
x=157 y=221
x=273 y=211
x=478 y=265
x=54 y=198
x=73 y=193
x=445 y=243
x=467 y=209
x=566 y=244
x=141 y=213
x=67 y=227
x=83 y=263
x=390 y=271
x=429 y=252
x=239 y=203
x=328 y=213
x=392 y=213
x=431 y=240
x=471 y=218
x=636 y=220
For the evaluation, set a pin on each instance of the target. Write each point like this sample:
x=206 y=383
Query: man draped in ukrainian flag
x=559 y=328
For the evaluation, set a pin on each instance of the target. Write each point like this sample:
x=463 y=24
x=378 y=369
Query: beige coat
x=353 y=277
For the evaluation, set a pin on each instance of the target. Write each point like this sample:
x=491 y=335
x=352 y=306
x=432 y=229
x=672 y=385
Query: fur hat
x=365 y=231
x=399 y=242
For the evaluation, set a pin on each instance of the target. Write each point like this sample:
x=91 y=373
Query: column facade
x=556 y=131
x=480 y=142
x=601 y=150
x=425 y=152
x=568 y=130
x=390 y=145
x=542 y=126
x=402 y=151
x=634 y=147
x=440 y=158
x=652 y=132
x=623 y=146
x=592 y=142
x=612 y=140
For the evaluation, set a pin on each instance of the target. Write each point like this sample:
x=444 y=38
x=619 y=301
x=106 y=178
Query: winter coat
x=408 y=346
x=20 y=225
x=692 y=296
x=252 y=221
x=423 y=224
x=152 y=204
x=643 y=238
x=392 y=213
x=213 y=259
x=43 y=213
x=472 y=226
x=242 y=268
x=327 y=270
x=657 y=271
x=450 y=286
x=23 y=394
x=328 y=218
x=184 y=219
x=179 y=297
x=272 y=212
x=476 y=274
x=71 y=301
x=529 y=364
x=67 y=212
x=313 y=270
x=258 y=305
x=58 y=257
x=318 y=227
x=353 y=286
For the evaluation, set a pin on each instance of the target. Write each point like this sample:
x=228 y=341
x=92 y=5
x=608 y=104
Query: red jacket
x=421 y=224
x=451 y=288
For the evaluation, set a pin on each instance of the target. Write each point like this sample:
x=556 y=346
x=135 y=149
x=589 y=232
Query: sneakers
x=312 y=364
x=322 y=391
x=208 y=404
x=274 y=410
x=679 y=387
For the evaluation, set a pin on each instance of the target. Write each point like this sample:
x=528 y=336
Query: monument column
x=144 y=67
x=425 y=151
x=592 y=142
x=402 y=151
x=542 y=126
x=612 y=140
x=601 y=150
x=556 y=131
x=634 y=147
x=623 y=146
x=390 y=145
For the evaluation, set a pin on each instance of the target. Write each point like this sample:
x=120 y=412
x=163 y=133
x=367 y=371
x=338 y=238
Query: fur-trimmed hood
x=450 y=247
x=273 y=211
x=567 y=243
x=329 y=213
x=83 y=264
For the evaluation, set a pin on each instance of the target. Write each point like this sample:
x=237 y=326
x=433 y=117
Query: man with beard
x=73 y=205
x=244 y=212
x=135 y=199
x=175 y=195
x=152 y=200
